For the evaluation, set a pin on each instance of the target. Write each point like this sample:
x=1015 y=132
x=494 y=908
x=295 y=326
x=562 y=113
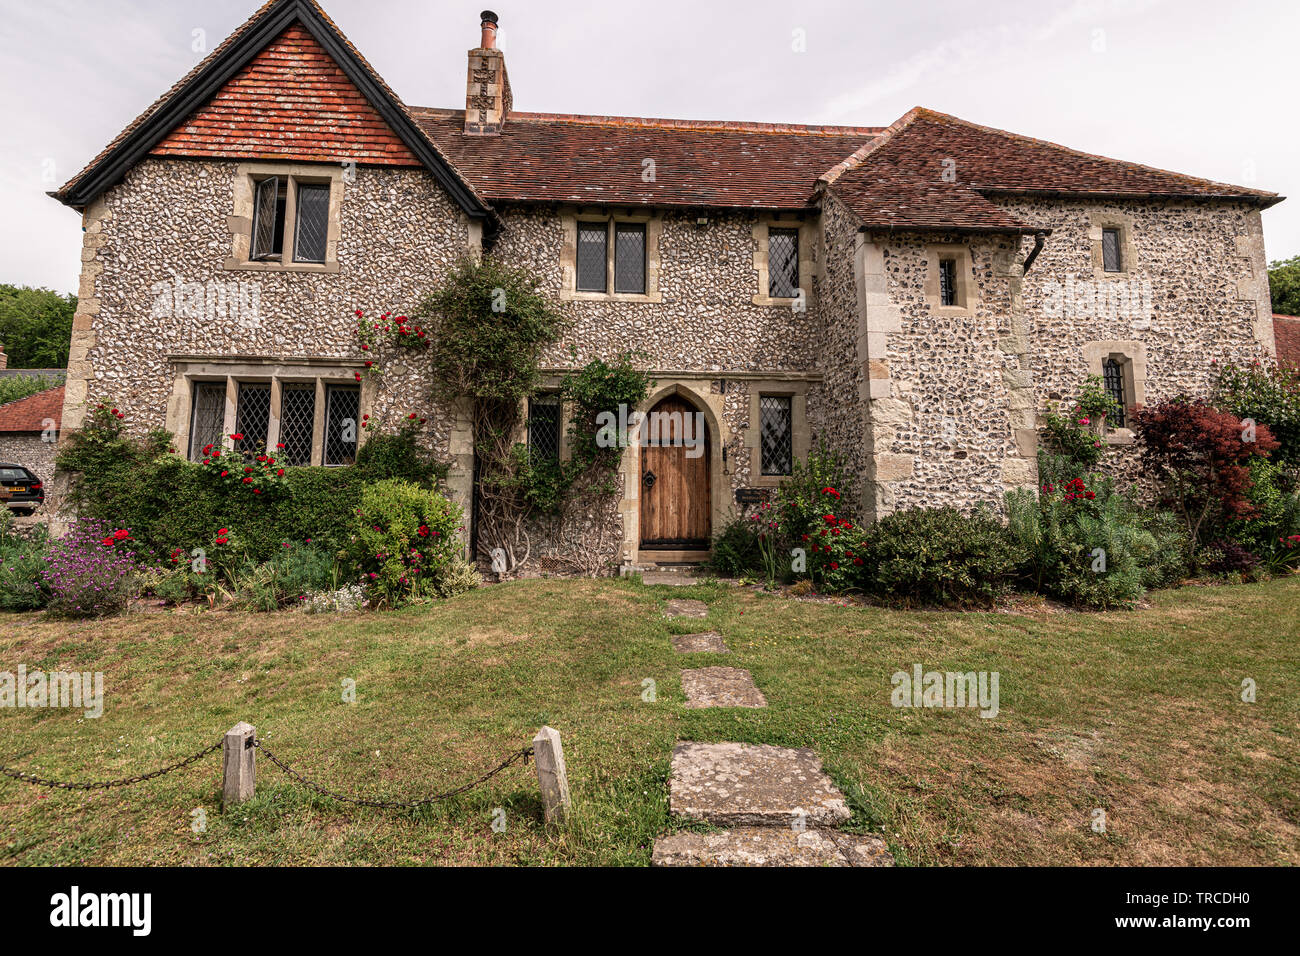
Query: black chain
x=109 y=784
x=515 y=757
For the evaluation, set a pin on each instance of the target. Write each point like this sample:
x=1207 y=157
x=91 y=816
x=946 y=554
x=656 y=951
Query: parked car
x=21 y=489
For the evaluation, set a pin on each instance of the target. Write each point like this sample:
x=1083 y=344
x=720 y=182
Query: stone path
x=777 y=804
x=686 y=608
x=709 y=642
x=673 y=578
x=720 y=687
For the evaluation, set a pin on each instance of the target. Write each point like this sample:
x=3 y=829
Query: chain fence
x=522 y=754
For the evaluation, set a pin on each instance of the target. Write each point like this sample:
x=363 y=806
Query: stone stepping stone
x=748 y=785
x=770 y=846
x=709 y=642
x=674 y=578
x=721 y=687
x=686 y=608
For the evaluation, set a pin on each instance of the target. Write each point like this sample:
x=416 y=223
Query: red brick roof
x=31 y=413
x=546 y=157
x=292 y=102
x=930 y=168
x=1286 y=329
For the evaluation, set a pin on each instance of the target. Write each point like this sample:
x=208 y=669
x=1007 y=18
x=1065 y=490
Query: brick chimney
x=487 y=91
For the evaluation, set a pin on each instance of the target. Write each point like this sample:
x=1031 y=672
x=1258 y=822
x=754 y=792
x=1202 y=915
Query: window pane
x=948 y=281
x=313 y=223
x=783 y=263
x=592 y=241
x=1113 y=373
x=544 y=428
x=629 y=257
x=777 y=438
x=343 y=409
x=297 y=422
x=267 y=221
x=252 y=417
x=207 y=416
x=1110 y=256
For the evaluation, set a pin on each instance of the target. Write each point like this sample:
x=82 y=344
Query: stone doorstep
x=770 y=846
x=721 y=687
x=682 y=607
x=749 y=785
x=673 y=578
x=709 y=642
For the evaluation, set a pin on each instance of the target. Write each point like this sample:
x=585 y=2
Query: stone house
x=915 y=295
x=29 y=431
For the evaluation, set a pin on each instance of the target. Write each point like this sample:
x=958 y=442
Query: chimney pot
x=489 y=24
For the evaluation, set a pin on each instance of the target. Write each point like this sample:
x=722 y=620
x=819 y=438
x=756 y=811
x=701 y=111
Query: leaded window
x=593 y=243
x=629 y=257
x=544 y=428
x=268 y=218
x=783 y=263
x=948 y=281
x=1113 y=376
x=1112 y=259
x=253 y=416
x=776 y=432
x=343 y=409
x=297 y=422
x=207 y=417
x=313 y=218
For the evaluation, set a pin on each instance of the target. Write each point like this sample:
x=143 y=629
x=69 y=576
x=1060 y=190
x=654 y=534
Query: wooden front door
x=675 y=499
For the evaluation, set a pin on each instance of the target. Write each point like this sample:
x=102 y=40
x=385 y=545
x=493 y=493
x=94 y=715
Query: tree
x=1284 y=285
x=1199 y=458
x=35 y=326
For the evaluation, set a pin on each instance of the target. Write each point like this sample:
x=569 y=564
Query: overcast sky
x=1198 y=86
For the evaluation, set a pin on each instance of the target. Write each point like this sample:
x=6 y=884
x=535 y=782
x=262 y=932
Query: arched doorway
x=676 y=499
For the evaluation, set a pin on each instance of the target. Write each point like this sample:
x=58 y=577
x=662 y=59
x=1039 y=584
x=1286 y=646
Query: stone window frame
x=240 y=221
x=967 y=291
x=808 y=240
x=800 y=436
x=1132 y=359
x=569 y=220
x=1099 y=222
x=278 y=372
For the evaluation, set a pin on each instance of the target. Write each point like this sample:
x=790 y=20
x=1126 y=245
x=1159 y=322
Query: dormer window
x=286 y=217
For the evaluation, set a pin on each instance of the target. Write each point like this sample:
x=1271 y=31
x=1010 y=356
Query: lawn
x=1137 y=713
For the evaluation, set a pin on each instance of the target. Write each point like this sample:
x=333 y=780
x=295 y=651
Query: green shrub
x=1092 y=547
x=22 y=561
x=399 y=455
x=456 y=577
x=15 y=387
x=405 y=539
x=735 y=548
x=1268 y=396
x=822 y=483
x=939 y=556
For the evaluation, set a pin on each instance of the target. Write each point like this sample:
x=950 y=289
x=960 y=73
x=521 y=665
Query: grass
x=1137 y=713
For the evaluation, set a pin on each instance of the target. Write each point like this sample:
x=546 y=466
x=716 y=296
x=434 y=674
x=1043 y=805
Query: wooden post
x=551 y=776
x=238 y=765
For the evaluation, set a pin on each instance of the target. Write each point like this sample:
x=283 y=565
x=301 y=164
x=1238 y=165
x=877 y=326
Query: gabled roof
x=1286 y=330
x=929 y=166
x=548 y=157
x=202 y=83
x=30 y=414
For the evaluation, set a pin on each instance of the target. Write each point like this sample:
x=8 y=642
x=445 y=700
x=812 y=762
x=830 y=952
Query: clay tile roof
x=1286 y=329
x=547 y=157
x=31 y=413
x=303 y=10
x=899 y=180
